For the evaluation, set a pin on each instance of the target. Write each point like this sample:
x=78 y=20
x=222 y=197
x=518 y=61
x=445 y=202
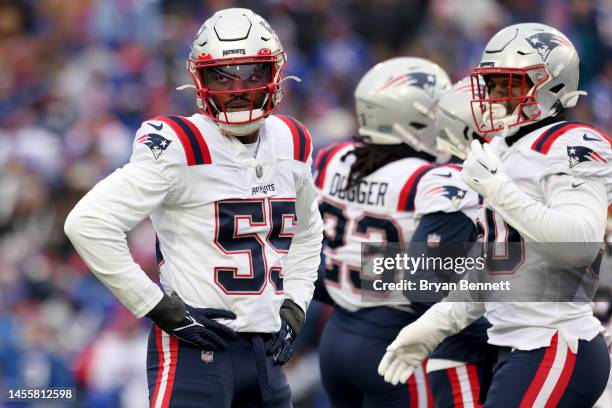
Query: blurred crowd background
x=78 y=77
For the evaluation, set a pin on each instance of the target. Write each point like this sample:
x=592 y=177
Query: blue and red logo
x=580 y=154
x=454 y=194
x=422 y=80
x=544 y=43
x=157 y=143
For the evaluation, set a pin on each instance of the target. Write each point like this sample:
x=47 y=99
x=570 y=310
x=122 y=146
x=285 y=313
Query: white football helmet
x=545 y=62
x=396 y=99
x=454 y=126
x=236 y=63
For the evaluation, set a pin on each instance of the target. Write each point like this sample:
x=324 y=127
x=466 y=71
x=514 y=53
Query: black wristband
x=293 y=315
x=168 y=313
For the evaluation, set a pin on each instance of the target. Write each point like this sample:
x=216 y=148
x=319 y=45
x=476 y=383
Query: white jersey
x=234 y=231
x=381 y=208
x=568 y=148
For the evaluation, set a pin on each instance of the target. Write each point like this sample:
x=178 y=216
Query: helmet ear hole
x=555 y=89
x=417 y=125
x=386 y=129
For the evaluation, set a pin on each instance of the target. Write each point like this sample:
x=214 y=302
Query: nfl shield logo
x=207 y=356
x=259 y=171
x=433 y=240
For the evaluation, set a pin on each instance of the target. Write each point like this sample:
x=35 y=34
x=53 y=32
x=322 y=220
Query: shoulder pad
x=324 y=157
x=302 y=141
x=580 y=151
x=408 y=193
x=194 y=146
x=545 y=141
x=443 y=190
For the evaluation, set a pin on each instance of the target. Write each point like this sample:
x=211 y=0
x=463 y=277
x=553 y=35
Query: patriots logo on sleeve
x=454 y=194
x=580 y=154
x=157 y=143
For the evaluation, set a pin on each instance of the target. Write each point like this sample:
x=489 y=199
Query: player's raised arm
x=575 y=208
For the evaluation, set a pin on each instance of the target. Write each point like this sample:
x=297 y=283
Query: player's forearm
x=304 y=257
x=301 y=266
x=450 y=318
x=572 y=215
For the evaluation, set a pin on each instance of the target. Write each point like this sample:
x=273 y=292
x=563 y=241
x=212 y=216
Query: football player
x=544 y=180
x=367 y=194
x=454 y=126
x=230 y=194
x=445 y=212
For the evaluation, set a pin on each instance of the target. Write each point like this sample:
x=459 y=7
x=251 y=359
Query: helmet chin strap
x=240 y=116
x=499 y=116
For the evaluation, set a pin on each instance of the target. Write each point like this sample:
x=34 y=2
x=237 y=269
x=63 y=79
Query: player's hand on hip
x=292 y=320
x=482 y=169
x=193 y=325
x=411 y=346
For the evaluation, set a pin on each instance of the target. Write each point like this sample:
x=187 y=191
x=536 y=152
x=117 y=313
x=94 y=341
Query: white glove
x=482 y=170
x=412 y=345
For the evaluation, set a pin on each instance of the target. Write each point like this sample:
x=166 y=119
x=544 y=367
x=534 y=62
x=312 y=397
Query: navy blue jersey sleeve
x=450 y=227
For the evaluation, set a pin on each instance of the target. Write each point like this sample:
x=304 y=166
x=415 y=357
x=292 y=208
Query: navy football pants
x=182 y=376
x=349 y=369
x=550 y=376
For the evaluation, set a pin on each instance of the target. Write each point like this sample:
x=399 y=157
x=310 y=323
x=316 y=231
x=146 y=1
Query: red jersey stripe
x=408 y=193
x=189 y=153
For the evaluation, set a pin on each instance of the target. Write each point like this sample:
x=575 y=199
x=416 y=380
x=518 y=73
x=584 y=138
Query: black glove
x=193 y=325
x=292 y=320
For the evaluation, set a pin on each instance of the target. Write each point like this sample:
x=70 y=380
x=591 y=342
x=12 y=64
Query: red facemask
x=496 y=110
x=240 y=90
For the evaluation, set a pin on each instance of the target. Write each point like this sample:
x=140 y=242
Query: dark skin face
x=222 y=80
x=497 y=86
